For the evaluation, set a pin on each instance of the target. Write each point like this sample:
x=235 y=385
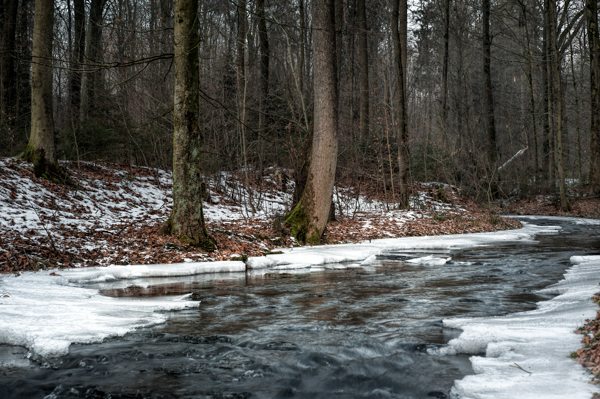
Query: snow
x=537 y=341
x=111 y=273
x=321 y=255
x=430 y=260
x=45 y=314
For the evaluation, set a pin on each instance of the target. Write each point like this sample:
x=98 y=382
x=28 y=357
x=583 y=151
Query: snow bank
x=111 y=273
x=45 y=314
x=538 y=341
x=321 y=255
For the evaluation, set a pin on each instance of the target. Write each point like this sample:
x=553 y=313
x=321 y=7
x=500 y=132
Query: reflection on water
x=357 y=332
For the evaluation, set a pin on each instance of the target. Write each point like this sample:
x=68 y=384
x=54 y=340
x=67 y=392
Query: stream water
x=353 y=333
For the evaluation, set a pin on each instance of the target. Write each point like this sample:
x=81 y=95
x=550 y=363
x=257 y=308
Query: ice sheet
x=321 y=255
x=539 y=342
x=44 y=314
x=111 y=273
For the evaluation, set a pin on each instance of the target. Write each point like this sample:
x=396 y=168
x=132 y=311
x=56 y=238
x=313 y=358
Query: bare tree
x=309 y=218
x=594 y=48
x=363 y=55
x=187 y=219
x=41 y=149
x=399 y=38
x=492 y=150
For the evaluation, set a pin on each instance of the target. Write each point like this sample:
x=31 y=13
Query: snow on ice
x=527 y=353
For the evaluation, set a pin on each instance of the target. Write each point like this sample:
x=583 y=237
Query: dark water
x=356 y=333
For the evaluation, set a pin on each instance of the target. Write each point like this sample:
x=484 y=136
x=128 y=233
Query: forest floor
x=114 y=216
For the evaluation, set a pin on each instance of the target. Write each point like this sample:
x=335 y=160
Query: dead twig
x=516 y=366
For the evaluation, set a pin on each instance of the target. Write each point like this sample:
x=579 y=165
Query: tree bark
x=546 y=131
x=594 y=48
x=309 y=218
x=559 y=110
x=445 y=68
x=363 y=57
x=187 y=219
x=399 y=36
x=41 y=149
x=492 y=152
x=263 y=100
x=8 y=87
x=90 y=80
x=77 y=57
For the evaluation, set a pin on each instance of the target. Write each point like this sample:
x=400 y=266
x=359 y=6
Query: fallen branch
x=516 y=366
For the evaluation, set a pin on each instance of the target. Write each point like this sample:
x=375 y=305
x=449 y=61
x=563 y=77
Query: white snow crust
x=111 y=273
x=538 y=341
x=45 y=314
x=305 y=257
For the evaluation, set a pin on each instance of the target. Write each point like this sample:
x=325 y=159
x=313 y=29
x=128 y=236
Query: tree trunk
x=241 y=50
x=399 y=35
x=90 y=81
x=363 y=57
x=594 y=47
x=545 y=114
x=492 y=152
x=559 y=110
x=445 y=69
x=309 y=218
x=302 y=44
x=8 y=87
x=263 y=44
x=77 y=57
x=187 y=219
x=41 y=150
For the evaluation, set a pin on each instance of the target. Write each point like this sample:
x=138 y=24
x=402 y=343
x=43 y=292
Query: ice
x=582 y=259
x=45 y=314
x=527 y=354
x=430 y=260
x=322 y=255
x=110 y=273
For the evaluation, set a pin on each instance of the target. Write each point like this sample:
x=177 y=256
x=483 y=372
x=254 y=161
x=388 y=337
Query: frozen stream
x=350 y=333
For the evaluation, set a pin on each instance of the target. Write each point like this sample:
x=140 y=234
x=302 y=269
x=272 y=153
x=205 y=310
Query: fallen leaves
x=110 y=223
x=589 y=355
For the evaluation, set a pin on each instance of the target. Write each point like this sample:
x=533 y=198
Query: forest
x=499 y=98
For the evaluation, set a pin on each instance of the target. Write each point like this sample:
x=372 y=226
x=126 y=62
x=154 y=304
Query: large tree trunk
x=363 y=57
x=187 y=219
x=77 y=57
x=41 y=150
x=559 y=110
x=492 y=151
x=91 y=79
x=8 y=81
x=594 y=45
x=399 y=36
x=309 y=218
